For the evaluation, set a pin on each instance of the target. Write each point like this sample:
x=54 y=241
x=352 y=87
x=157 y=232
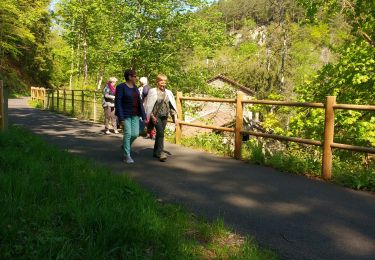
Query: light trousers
x=131 y=132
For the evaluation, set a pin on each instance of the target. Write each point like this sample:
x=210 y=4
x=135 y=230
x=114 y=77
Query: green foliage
x=149 y=36
x=210 y=142
x=58 y=205
x=290 y=159
x=352 y=80
x=357 y=177
x=359 y=14
x=24 y=33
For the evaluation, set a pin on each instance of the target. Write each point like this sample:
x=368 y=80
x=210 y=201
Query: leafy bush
x=210 y=142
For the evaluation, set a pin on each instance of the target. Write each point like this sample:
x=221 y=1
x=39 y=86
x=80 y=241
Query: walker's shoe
x=117 y=132
x=107 y=132
x=163 y=157
x=127 y=159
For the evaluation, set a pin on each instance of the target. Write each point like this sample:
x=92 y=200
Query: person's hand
x=121 y=123
x=154 y=119
x=176 y=122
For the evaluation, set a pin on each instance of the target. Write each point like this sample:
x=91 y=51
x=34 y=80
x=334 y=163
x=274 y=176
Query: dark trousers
x=159 y=139
x=150 y=128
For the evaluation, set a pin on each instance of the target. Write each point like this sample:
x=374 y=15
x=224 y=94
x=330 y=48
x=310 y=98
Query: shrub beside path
x=297 y=217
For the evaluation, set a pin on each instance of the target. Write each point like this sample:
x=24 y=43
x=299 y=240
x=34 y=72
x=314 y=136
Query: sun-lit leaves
x=24 y=32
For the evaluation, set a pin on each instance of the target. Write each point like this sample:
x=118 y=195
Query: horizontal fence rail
x=220 y=100
x=88 y=104
x=327 y=144
x=353 y=148
x=284 y=138
x=354 y=107
x=227 y=129
x=283 y=103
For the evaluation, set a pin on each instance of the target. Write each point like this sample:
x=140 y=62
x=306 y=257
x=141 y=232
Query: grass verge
x=56 y=205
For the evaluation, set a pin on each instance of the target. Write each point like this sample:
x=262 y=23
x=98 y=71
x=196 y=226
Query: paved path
x=295 y=216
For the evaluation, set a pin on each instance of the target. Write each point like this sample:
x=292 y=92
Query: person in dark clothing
x=129 y=110
x=143 y=89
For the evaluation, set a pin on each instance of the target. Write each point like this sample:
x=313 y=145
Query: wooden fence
x=327 y=144
x=3 y=107
x=81 y=101
x=84 y=104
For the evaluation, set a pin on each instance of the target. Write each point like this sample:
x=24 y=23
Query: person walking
x=143 y=89
x=109 y=92
x=129 y=110
x=159 y=104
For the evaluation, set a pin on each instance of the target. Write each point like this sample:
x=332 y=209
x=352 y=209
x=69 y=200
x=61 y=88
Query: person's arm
x=141 y=107
x=118 y=103
x=173 y=113
x=107 y=94
x=145 y=91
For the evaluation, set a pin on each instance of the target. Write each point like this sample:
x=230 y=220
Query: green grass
x=56 y=205
x=347 y=167
x=209 y=142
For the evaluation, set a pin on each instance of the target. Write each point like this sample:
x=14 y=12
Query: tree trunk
x=78 y=64
x=71 y=69
x=85 y=64
x=283 y=58
x=71 y=65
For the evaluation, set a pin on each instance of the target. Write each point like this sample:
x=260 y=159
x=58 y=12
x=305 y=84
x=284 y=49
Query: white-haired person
x=109 y=93
x=143 y=89
x=159 y=104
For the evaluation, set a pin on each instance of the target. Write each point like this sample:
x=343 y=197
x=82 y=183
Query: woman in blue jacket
x=129 y=110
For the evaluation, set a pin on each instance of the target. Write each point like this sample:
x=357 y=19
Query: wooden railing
x=84 y=104
x=88 y=104
x=38 y=94
x=327 y=144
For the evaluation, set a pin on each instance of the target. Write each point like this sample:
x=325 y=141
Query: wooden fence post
x=53 y=100
x=58 y=100
x=2 y=107
x=64 y=104
x=239 y=126
x=94 y=103
x=48 y=95
x=82 y=102
x=179 y=115
x=44 y=98
x=329 y=126
x=72 y=102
